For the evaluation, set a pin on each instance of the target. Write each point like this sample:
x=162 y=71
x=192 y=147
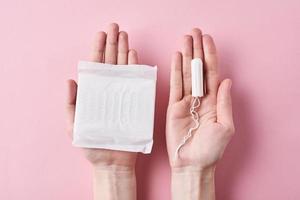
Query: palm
x=108 y=48
x=204 y=148
x=208 y=142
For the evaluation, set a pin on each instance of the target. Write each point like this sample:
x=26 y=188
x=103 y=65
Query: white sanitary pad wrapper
x=115 y=107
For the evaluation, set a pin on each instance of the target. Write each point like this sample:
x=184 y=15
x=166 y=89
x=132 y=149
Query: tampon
x=197 y=77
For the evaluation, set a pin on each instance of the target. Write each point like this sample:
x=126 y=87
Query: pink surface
x=41 y=42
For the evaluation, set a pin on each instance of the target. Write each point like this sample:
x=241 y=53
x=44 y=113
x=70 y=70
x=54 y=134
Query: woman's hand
x=208 y=142
x=111 y=47
x=114 y=171
x=194 y=167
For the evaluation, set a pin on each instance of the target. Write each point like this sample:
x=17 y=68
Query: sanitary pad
x=115 y=107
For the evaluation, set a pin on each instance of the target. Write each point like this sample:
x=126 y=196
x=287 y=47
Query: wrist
x=111 y=182
x=205 y=172
x=110 y=159
x=118 y=162
x=193 y=183
x=113 y=168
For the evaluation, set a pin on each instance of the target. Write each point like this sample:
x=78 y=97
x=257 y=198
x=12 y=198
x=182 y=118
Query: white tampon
x=197 y=77
x=197 y=92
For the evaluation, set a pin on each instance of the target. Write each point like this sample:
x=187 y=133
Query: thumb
x=224 y=105
x=70 y=105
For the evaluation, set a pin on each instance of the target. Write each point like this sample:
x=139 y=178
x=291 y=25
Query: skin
x=114 y=173
x=193 y=170
x=198 y=157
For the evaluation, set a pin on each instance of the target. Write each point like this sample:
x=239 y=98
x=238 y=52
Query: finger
x=132 y=57
x=98 y=47
x=176 y=78
x=210 y=65
x=111 y=49
x=197 y=43
x=224 y=105
x=187 y=52
x=122 y=48
x=70 y=104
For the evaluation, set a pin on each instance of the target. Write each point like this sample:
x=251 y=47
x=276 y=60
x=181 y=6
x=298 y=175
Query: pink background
x=41 y=42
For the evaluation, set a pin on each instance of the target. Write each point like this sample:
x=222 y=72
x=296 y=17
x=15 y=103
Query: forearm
x=114 y=183
x=193 y=184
